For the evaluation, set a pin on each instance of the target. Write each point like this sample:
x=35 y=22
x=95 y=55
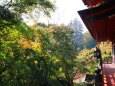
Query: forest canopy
x=41 y=55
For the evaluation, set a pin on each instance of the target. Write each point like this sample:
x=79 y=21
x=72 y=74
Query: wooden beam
x=101 y=16
x=102 y=7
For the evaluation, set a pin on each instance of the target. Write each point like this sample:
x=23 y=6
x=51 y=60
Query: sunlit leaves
x=11 y=10
x=85 y=56
x=33 y=54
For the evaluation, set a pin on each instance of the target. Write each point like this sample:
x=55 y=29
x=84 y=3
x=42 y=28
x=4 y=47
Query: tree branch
x=8 y=4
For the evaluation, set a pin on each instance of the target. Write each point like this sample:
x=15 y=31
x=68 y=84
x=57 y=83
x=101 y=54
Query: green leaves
x=7 y=19
x=29 y=56
x=11 y=11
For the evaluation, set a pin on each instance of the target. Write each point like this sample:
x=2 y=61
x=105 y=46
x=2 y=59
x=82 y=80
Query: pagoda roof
x=100 y=21
x=93 y=3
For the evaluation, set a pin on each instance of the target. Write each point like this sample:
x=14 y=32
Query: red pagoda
x=99 y=19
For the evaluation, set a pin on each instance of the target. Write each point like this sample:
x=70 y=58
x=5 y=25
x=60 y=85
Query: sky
x=66 y=10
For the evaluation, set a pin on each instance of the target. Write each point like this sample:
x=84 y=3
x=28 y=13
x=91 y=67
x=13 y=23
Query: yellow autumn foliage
x=29 y=44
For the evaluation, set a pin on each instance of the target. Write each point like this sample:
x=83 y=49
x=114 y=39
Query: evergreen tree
x=78 y=36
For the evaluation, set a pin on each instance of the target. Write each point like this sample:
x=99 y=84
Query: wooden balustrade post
x=113 y=53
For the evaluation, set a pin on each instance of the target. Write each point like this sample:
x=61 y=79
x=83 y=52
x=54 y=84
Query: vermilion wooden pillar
x=113 y=53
